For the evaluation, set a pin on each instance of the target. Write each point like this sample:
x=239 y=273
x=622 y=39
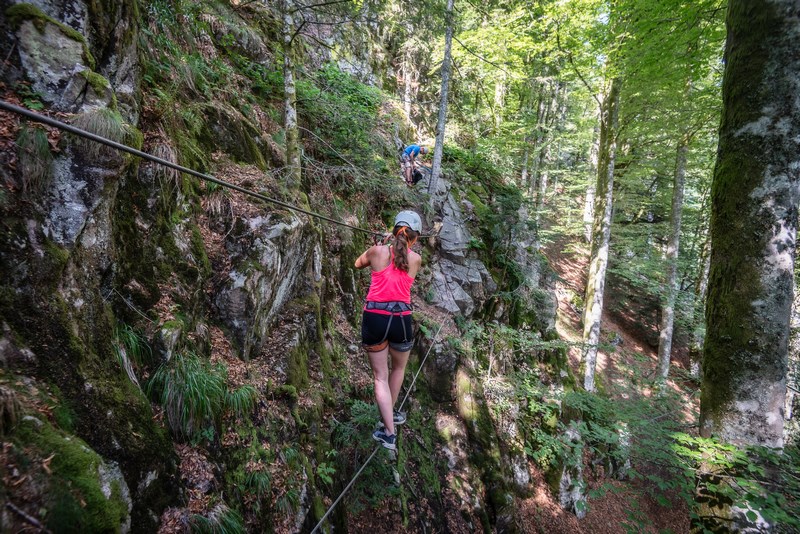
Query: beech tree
x=288 y=33
x=601 y=232
x=753 y=226
x=671 y=284
x=436 y=167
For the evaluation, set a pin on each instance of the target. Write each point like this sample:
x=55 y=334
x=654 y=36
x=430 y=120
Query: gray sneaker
x=399 y=417
x=386 y=440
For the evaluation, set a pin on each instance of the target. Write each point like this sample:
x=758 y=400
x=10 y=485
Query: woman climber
x=386 y=322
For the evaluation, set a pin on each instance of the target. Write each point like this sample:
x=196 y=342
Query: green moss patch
x=74 y=500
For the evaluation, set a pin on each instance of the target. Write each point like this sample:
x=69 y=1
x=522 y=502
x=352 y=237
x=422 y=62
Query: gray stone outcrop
x=461 y=283
x=268 y=260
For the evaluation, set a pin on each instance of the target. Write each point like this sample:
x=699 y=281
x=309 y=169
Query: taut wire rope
x=144 y=155
x=374 y=452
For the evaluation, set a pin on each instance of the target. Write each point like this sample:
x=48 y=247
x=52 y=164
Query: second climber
x=409 y=161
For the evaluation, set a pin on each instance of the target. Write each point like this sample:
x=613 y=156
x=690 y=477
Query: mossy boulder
x=51 y=54
x=79 y=490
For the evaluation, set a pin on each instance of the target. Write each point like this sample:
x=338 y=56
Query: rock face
x=54 y=301
x=571 y=486
x=268 y=255
x=461 y=282
x=108 y=243
x=56 y=57
x=52 y=60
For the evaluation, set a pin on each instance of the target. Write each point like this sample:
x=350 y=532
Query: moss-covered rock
x=80 y=491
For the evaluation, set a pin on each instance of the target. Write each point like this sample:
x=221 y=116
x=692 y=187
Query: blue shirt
x=412 y=149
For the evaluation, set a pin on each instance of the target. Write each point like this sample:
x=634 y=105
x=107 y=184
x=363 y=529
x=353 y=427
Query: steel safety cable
x=374 y=452
x=144 y=155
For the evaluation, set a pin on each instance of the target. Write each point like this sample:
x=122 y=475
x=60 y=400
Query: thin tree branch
x=333 y=149
x=495 y=65
x=28 y=518
x=321 y=4
x=297 y=31
x=575 y=67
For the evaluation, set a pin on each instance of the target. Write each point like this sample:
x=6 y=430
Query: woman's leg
x=399 y=361
x=383 y=395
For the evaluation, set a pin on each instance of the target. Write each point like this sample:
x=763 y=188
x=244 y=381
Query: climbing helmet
x=409 y=218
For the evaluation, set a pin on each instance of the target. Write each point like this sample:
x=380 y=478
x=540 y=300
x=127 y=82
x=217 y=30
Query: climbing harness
x=371 y=456
x=395 y=308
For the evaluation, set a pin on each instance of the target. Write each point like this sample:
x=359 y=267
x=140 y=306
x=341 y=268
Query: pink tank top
x=390 y=285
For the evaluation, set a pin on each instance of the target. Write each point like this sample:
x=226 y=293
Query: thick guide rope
x=144 y=155
x=371 y=456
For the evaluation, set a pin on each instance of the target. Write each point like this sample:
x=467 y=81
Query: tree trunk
x=534 y=168
x=697 y=337
x=754 y=199
x=436 y=167
x=588 y=205
x=523 y=179
x=545 y=139
x=290 y=98
x=601 y=234
x=671 y=285
x=408 y=80
x=499 y=100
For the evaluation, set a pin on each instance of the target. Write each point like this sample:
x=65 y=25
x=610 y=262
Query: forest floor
x=627 y=355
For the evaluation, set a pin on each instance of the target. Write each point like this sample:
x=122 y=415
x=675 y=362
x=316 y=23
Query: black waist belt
x=393 y=306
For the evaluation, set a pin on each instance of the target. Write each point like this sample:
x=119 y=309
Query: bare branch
x=575 y=67
x=297 y=31
x=495 y=65
x=28 y=518
x=321 y=4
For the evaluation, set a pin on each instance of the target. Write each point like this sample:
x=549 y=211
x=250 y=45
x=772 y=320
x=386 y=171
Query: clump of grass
x=194 y=395
x=218 y=202
x=164 y=149
x=10 y=409
x=242 y=400
x=220 y=520
x=288 y=502
x=110 y=125
x=131 y=349
x=35 y=158
x=192 y=392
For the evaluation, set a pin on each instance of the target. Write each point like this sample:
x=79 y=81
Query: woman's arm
x=364 y=259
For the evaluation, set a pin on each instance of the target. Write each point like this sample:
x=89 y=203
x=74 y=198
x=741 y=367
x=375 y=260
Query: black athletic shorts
x=374 y=335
